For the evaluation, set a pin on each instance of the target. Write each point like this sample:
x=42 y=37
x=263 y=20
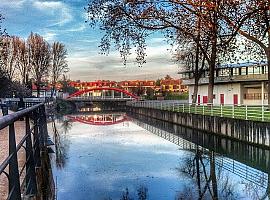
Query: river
x=102 y=156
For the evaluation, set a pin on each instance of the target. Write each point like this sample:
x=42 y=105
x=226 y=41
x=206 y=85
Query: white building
x=244 y=83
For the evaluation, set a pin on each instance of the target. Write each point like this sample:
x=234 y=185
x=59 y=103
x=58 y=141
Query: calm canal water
x=115 y=156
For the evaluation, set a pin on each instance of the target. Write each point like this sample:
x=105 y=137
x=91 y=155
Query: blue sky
x=64 y=21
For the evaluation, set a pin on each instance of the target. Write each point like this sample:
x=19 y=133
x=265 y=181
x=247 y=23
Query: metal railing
x=246 y=112
x=33 y=142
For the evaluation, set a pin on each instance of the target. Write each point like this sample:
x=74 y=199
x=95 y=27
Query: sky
x=64 y=21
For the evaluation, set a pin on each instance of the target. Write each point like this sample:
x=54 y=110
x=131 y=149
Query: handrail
x=33 y=142
x=11 y=118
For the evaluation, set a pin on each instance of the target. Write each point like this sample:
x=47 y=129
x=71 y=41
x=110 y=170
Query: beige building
x=244 y=83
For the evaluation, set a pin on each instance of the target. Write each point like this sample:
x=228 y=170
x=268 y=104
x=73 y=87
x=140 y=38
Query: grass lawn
x=256 y=113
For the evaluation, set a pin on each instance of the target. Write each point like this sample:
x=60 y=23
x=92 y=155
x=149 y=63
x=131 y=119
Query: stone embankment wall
x=253 y=132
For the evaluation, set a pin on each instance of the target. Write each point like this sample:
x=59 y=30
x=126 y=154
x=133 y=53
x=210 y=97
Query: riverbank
x=249 y=131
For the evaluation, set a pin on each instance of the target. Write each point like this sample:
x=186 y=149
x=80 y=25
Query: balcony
x=226 y=79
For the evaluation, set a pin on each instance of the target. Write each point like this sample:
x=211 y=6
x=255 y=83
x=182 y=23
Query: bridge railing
x=99 y=97
x=32 y=143
x=246 y=112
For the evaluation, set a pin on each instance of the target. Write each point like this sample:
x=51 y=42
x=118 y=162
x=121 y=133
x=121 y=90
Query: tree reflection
x=142 y=194
x=209 y=181
x=255 y=191
x=61 y=143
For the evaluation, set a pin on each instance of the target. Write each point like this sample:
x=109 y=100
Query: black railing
x=33 y=142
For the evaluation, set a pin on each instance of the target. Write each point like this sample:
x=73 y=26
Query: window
x=235 y=71
x=257 y=70
x=243 y=71
x=250 y=70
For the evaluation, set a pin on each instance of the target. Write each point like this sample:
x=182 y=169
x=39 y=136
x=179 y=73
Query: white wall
x=227 y=89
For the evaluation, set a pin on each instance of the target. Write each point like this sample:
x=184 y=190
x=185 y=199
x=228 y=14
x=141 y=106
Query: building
x=172 y=85
x=46 y=90
x=244 y=83
x=132 y=85
x=92 y=84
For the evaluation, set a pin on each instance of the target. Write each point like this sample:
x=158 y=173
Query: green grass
x=255 y=113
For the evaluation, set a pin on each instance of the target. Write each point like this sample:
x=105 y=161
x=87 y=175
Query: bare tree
x=23 y=61
x=255 y=17
x=59 y=63
x=9 y=55
x=194 y=62
x=40 y=58
x=128 y=23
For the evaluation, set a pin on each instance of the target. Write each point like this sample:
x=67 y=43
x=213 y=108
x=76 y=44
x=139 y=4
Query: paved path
x=20 y=131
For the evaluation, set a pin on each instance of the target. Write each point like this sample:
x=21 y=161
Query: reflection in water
x=209 y=182
x=112 y=161
x=61 y=141
x=250 y=162
x=100 y=119
x=94 y=109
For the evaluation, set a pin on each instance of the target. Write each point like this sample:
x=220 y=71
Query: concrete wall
x=227 y=89
x=243 y=130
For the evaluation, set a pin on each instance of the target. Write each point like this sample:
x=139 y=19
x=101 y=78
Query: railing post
x=203 y=109
x=188 y=108
x=246 y=112
x=173 y=107
x=37 y=140
x=211 y=107
x=31 y=183
x=183 y=107
x=14 y=178
x=233 y=111
x=262 y=113
x=221 y=110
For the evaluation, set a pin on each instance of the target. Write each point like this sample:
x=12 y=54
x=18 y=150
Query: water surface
x=113 y=156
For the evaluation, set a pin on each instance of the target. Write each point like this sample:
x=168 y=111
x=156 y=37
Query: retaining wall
x=253 y=132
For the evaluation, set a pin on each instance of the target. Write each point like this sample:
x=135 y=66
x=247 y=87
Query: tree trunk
x=38 y=91
x=195 y=92
x=196 y=71
x=52 y=90
x=212 y=66
x=268 y=67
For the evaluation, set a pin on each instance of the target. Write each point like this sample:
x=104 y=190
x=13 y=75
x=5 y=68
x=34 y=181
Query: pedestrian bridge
x=102 y=94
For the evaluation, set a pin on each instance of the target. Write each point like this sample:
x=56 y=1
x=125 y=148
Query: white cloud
x=12 y=3
x=59 y=10
x=91 y=66
x=50 y=36
x=79 y=28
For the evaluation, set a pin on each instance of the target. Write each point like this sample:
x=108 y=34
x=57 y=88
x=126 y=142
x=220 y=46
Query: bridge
x=100 y=119
x=102 y=94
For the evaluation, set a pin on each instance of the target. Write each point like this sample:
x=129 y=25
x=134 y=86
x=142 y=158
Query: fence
x=247 y=112
x=33 y=143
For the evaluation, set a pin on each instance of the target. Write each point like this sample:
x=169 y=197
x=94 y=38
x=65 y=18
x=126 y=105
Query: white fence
x=247 y=112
